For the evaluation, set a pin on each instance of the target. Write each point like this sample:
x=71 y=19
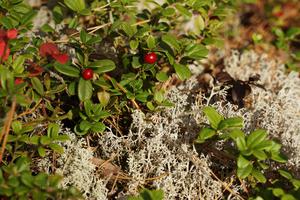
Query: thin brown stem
x=6 y=127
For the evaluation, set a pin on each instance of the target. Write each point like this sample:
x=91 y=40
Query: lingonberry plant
x=106 y=66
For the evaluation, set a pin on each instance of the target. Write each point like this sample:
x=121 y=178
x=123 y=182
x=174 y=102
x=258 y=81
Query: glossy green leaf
x=285 y=174
x=102 y=66
x=16 y=126
x=242 y=162
x=182 y=71
x=136 y=62
x=98 y=127
x=27 y=179
x=171 y=41
x=296 y=183
x=37 y=86
x=196 y=51
x=162 y=76
x=293 y=32
x=168 y=12
x=134 y=44
x=129 y=29
x=57 y=148
x=151 y=43
x=18 y=64
x=244 y=172
x=45 y=140
x=53 y=130
x=288 y=197
x=67 y=70
x=42 y=151
x=205 y=134
x=258 y=176
x=152 y=194
x=76 y=5
x=241 y=144
x=184 y=11
x=234 y=134
x=85 y=125
x=278 y=157
x=260 y=155
x=85 y=89
x=256 y=137
x=278 y=192
x=231 y=123
x=213 y=116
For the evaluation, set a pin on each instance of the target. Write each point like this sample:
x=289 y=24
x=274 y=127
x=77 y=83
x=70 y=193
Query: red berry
x=150 y=58
x=48 y=49
x=18 y=81
x=87 y=74
x=12 y=33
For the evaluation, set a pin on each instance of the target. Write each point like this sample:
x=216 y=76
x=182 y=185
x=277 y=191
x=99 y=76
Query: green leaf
x=6 y=22
x=182 y=71
x=244 y=172
x=183 y=10
x=83 y=36
x=13 y=181
x=285 y=174
x=258 y=176
x=256 y=137
x=129 y=29
x=57 y=148
x=159 y=96
x=293 y=32
x=196 y=51
x=76 y=5
x=152 y=194
x=18 y=64
x=98 y=127
x=296 y=183
x=16 y=126
x=288 y=197
x=26 y=179
x=168 y=12
x=72 y=88
x=161 y=76
x=205 y=134
x=261 y=155
x=47 y=28
x=42 y=151
x=134 y=44
x=136 y=62
x=241 y=144
x=278 y=192
x=171 y=41
x=85 y=89
x=53 y=130
x=229 y=123
x=40 y=180
x=213 y=116
x=151 y=42
x=67 y=70
x=37 y=85
x=85 y=125
x=278 y=157
x=234 y=134
x=45 y=140
x=102 y=66
x=242 y=162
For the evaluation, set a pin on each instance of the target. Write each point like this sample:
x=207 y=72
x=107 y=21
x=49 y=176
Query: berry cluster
x=5 y=36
